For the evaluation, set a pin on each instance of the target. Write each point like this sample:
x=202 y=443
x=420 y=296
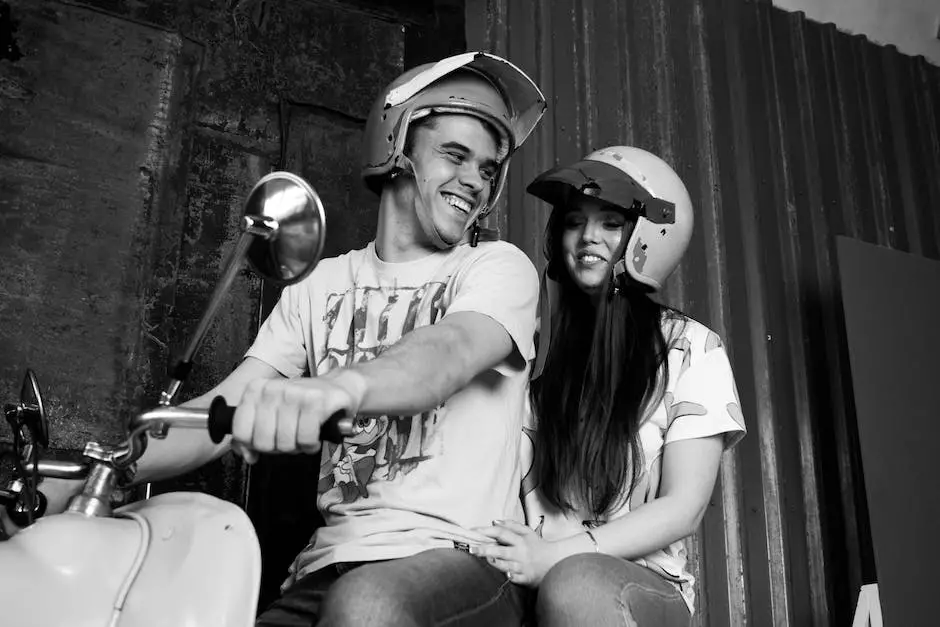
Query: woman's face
x=592 y=231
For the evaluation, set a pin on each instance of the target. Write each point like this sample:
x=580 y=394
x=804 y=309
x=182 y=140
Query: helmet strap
x=475 y=234
x=617 y=279
x=421 y=209
x=427 y=225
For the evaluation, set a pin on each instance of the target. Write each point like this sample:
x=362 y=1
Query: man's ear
x=407 y=167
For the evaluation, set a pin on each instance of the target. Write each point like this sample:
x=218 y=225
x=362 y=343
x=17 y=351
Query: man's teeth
x=459 y=203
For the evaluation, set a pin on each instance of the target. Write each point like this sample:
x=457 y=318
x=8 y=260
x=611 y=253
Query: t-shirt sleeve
x=705 y=399
x=503 y=284
x=281 y=341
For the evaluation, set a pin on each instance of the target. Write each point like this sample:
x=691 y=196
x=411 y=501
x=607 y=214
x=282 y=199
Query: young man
x=425 y=336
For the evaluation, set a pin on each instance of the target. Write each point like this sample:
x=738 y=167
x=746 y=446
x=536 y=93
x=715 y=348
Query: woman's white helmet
x=474 y=83
x=645 y=186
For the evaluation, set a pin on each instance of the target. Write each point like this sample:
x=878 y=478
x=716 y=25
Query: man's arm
x=420 y=371
x=430 y=364
x=488 y=325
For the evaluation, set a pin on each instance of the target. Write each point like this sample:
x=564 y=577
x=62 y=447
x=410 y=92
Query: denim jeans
x=436 y=587
x=601 y=591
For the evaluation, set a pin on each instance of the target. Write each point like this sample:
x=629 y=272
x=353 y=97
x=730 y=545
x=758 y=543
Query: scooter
x=178 y=559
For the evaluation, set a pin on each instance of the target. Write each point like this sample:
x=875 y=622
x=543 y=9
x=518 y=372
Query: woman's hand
x=520 y=553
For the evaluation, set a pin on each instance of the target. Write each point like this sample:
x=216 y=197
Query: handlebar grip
x=335 y=429
x=220 y=419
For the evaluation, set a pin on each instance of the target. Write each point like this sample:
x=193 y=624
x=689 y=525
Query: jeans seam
x=477 y=608
x=625 y=607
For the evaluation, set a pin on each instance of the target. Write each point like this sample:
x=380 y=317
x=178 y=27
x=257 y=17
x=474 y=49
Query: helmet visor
x=561 y=185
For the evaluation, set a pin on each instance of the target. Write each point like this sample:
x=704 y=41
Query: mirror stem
x=182 y=367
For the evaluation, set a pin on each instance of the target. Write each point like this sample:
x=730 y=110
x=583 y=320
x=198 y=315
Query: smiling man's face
x=454 y=158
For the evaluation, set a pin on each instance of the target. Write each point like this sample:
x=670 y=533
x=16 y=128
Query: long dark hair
x=606 y=364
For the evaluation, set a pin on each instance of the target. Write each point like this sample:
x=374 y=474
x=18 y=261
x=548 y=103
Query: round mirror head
x=286 y=216
x=33 y=412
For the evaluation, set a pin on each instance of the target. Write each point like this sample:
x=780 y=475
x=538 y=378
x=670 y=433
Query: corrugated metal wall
x=787 y=134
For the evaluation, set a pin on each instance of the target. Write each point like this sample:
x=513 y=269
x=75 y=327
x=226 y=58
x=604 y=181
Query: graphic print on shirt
x=360 y=324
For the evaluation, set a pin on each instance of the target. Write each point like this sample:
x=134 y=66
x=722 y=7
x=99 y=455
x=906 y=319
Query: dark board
x=892 y=301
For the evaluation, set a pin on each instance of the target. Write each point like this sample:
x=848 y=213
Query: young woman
x=632 y=404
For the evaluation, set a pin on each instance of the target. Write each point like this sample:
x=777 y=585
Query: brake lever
x=19 y=512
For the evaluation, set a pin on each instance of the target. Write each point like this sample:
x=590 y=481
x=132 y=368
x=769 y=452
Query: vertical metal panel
x=795 y=126
x=787 y=133
x=753 y=340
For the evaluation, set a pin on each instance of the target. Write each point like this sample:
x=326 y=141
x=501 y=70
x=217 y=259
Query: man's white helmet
x=474 y=83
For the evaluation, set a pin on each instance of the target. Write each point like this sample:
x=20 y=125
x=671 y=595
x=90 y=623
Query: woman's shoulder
x=684 y=332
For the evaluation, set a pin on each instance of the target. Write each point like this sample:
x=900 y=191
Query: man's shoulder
x=352 y=256
x=494 y=250
x=338 y=266
x=497 y=246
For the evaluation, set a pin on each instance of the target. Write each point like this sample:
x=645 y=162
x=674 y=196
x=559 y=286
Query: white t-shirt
x=700 y=400
x=410 y=483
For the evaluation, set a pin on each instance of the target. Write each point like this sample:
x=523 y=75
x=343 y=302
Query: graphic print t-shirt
x=700 y=400
x=410 y=483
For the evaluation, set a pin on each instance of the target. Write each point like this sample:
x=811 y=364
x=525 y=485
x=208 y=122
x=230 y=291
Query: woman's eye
x=613 y=225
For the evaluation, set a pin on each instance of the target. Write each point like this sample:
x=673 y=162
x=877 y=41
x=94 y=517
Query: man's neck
x=399 y=237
